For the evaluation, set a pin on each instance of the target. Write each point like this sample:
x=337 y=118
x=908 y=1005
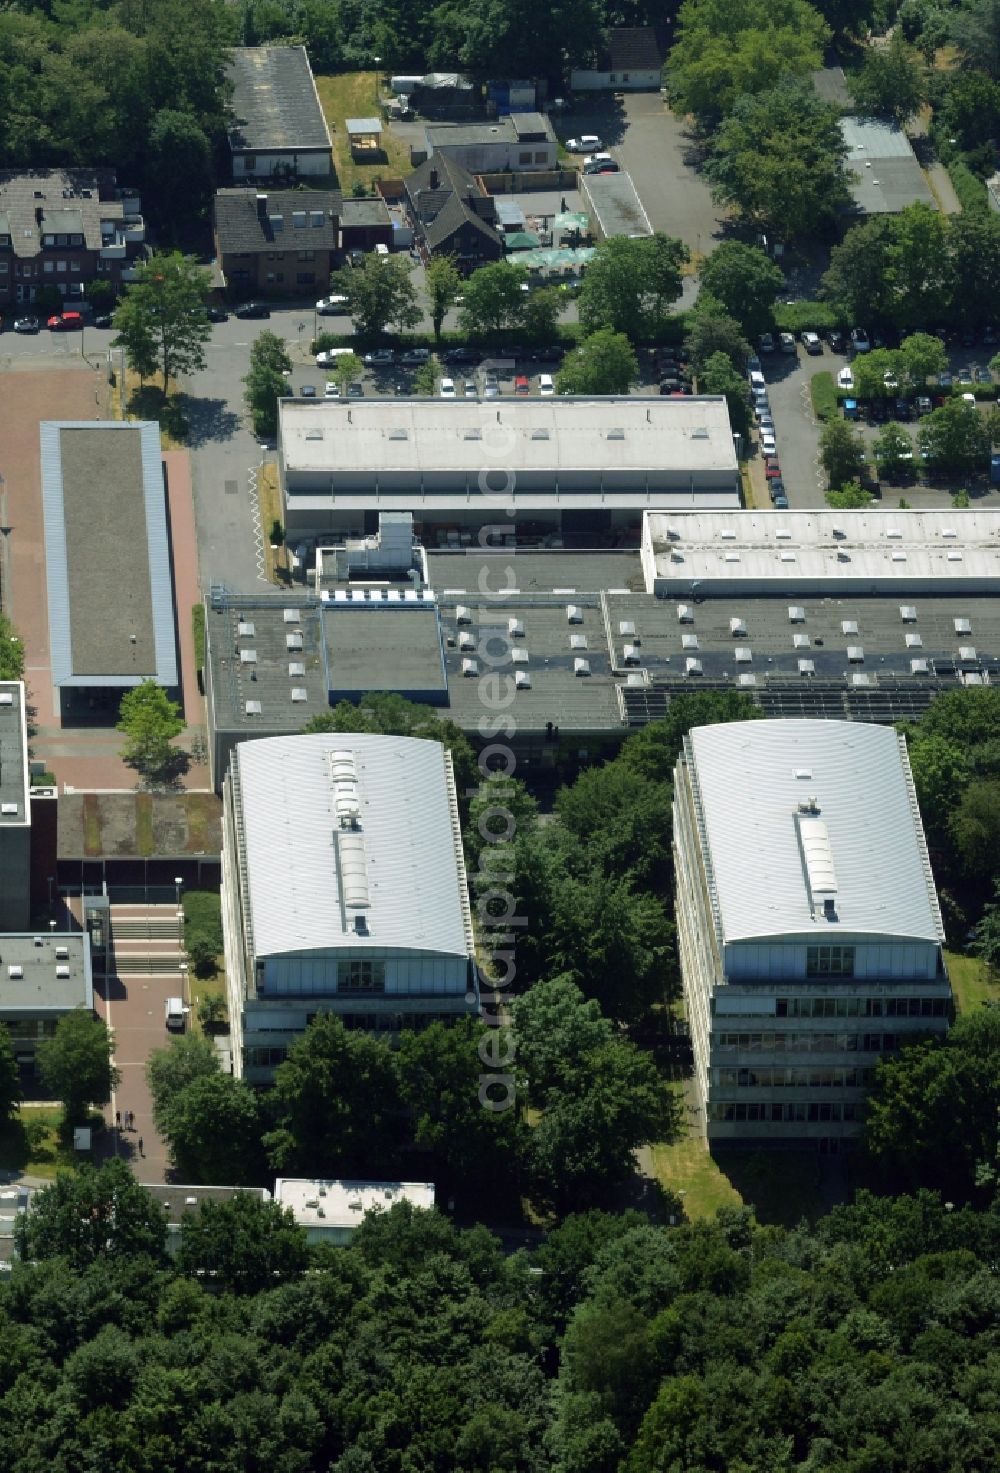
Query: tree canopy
x=604 y=363
x=630 y=285
x=75 y=1063
x=745 y=282
x=161 y=321
x=380 y=294
x=149 y=720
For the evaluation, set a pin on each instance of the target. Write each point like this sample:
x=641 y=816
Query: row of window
x=276 y=255
x=62 y=240
x=765 y=1078
x=860 y=1007
x=361 y=976
x=785 y=1113
x=541 y=157
x=31 y=1027
x=829 y=961
x=806 y=1043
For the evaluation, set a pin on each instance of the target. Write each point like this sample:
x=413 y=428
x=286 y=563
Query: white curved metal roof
x=313 y=864
x=821 y=806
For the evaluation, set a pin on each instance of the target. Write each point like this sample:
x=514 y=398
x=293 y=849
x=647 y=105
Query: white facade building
x=813 y=553
x=808 y=925
x=332 y=1211
x=343 y=890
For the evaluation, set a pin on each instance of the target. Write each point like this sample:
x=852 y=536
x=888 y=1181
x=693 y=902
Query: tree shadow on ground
x=167 y=776
x=148 y=402
x=784 y=1186
x=207 y=419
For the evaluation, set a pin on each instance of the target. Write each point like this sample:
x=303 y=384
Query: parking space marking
x=255 y=519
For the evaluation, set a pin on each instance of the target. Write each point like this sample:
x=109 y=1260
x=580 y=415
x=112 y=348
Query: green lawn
x=353 y=95
x=31 y=1143
x=781 y=1186
x=970 y=981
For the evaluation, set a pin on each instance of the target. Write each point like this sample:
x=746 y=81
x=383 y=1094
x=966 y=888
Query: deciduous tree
x=924 y=356
x=243 y=1245
x=746 y=282
x=718 y=376
x=170 y=1070
x=494 y=301
x=841 y=452
x=604 y=363
x=75 y=1063
x=10 y=1076
x=161 y=321
x=710 y=331
x=380 y=294
x=891 y=81
x=213 y=1128
x=777 y=160
x=955 y=439
x=631 y=284
x=149 y=720
x=443 y=284
x=266 y=382
x=93 y=1214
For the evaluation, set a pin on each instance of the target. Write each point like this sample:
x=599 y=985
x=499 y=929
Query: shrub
x=202 y=954
x=823 y=392
x=277 y=533
x=970 y=190
x=198 y=630
x=211 y=1009
x=806 y=316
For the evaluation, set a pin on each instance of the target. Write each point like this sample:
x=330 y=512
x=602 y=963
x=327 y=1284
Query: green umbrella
x=520 y=240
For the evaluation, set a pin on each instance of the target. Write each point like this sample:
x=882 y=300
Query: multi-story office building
x=343 y=890
x=808 y=924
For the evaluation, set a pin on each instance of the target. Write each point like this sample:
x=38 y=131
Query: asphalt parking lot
x=797 y=433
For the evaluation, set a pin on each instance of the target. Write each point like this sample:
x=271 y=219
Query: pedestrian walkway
x=145 y=968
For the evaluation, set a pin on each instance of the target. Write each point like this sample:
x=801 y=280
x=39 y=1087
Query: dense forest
x=868 y=1344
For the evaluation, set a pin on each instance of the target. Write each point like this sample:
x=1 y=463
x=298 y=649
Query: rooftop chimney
x=262 y=205
x=435 y=179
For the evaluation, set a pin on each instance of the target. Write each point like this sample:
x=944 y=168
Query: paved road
x=797 y=434
x=654 y=150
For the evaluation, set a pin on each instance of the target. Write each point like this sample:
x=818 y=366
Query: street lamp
x=178 y=882
x=376 y=60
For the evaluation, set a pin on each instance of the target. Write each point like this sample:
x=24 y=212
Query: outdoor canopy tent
x=521 y=240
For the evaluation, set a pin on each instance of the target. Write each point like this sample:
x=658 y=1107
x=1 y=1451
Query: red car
x=65 y=321
x=772 y=470
x=521 y=385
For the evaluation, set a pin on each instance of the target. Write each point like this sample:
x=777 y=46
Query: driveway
x=654 y=149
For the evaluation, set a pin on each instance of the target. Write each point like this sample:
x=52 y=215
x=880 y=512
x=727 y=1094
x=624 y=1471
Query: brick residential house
x=451 y=215
x=64 y=228
x=281 y=243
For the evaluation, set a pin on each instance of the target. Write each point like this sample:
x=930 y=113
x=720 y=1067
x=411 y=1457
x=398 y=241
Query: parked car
x=765 y=422
x=811 y=343
x=990 y=335
x=491 y=389
x=356 y=258
x=768 y=444
x=983 y=376
x=447 y=388
x=545 y=385
x=550 y=354
x=766 y=343
x=850 y=408
x=776 y=487
x=414 y=356
x=355 y=391
x=104 y=319
x=461 y=355
x=601 y=163
x=328 y=357
x=859 y=340
x=904 y=409
x=308 y=391
x=216 y=314
x=753 y=364
x=924 y=405
x=890 y=380
x=964 y=375
x=586 y=143
x=65 y=322
x=787 y=342
x=331 y=306
x=780 y=501
x=471 y=389
x=772 y=470
x=845 y=379
x=332 y=391
x=836 y=340
x=379 y=356
x=945 y=381
x=252 y=309
x=757 y=380
x=521 y=385
x=26 y=324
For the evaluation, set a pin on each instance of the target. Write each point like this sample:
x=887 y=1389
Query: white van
x=175 y=1014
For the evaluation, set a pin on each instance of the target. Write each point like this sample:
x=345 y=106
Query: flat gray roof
x=275 y=105
x=878 y=667
x=882 y=170
x=622 y=435
x=485 y=574
x=176 y=1200
x=107 y=554
x=43 y=959
x=399 y=648
x=14 y=776
x=616 y=206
